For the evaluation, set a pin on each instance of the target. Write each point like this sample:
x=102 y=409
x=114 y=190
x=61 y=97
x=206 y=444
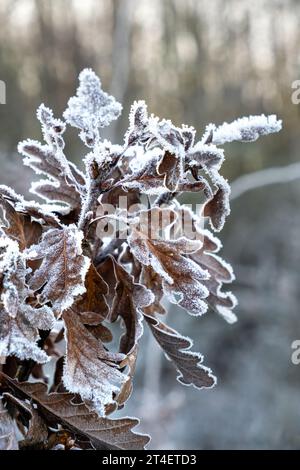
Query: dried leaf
x=19 y=321
x=62 y=273
x=65 y=183
x=171 y=167
x=246 y=129
x=204 y=155
x=138 y=121
x=37 y=432
x=41 y=213
x=8 y=440
x=130 y=299
x=177 y=349
x=19 y=226
x=145 y=178
x=90 y=369
x=180 y=275
x=91 y=108
x=93 y=302
x=220 y=272
x=59 y=408
x=153 y=281
x=218 y=208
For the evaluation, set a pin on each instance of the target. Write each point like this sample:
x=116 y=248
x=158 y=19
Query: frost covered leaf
x=91 y=108
x=40 y=213
x=155 y=134
x=204 y=155
x=90 y=369
x=138 y=122
x=158 y=174
x=130 y=298
x=60 y=278
x=65 y=183
x=171 y=167
x=100 y=165
x=166 y=136
x=153 y=282
x=18 y=337
x=36 y=435
x=19 y=321
x=217 y=208
x=201 y=185
x=92 y=307
x=8 y=440
x=19 y=226
x=220 y=272
x=181 y=276
x=145 y=178
x=59 y=408
x=246 y=129
x=93 y=300
x=177 y=350
x=209 y=158
x=172 y=141
x=53 y=191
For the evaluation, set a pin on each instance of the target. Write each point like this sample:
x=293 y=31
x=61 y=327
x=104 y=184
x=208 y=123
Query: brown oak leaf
x=177 y=350
x=61 y=276
x=90 y=369
x=8 y=440
x=19 y=320
x=60 y=408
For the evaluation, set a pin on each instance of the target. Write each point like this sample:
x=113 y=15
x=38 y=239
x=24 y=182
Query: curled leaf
x=177 y=350
x=60 y=278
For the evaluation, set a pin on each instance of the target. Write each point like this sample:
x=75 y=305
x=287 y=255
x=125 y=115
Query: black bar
x=135 y=459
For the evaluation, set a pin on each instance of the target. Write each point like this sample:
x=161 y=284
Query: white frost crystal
x=91 y=108
x=246 y=129
x=19 y=321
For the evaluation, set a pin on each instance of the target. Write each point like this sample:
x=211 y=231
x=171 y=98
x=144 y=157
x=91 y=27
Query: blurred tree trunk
x=121 y=52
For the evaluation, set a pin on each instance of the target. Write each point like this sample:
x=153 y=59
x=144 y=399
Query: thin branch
x=263 y=178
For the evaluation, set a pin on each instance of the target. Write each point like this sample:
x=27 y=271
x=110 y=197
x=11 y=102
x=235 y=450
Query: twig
x=263 y=178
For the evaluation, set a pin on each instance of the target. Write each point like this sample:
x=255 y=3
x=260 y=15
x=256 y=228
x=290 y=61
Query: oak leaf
x=19 y=320
x=61 y=276
x=8 y=440
x=90 y=369
x=177 y=350
x=60 y=408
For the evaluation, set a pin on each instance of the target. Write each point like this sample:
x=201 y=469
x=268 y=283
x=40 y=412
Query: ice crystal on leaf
x=89 y=369
x=58 y=267
x=60 y=277
x=20 y=321
x=246 y=129
x=92 y=108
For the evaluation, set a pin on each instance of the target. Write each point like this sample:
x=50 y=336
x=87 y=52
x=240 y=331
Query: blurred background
x=195 y=62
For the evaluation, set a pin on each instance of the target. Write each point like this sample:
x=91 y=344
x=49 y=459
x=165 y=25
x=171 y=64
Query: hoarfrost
x=19 y=321
x=246 y=129
x=91 y=108
x=62 y=272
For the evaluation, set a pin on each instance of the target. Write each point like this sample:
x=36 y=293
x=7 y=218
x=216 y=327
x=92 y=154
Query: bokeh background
x=196 y=62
